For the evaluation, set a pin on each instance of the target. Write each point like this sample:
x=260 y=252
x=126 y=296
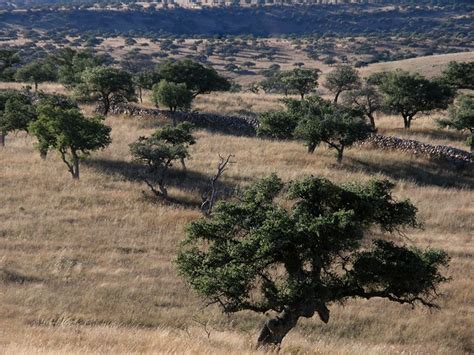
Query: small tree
x=144 y=81
x=8 y=58
x=254 y=254
x=408 y=94
x=107 y=85
x=337 y=126
x=159 y=151
x=460 y=75
x=366 y=99
x=341 y=79
x=36 y=72
x=461 y=117
x=70 y=133
x=303 y=81
x=71 y=64
x=198 y=78
x=16 y=112
x=174 y=96
x=274 y=84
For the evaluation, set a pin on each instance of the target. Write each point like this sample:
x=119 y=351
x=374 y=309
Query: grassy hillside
x=87 y=266
x=429 y=66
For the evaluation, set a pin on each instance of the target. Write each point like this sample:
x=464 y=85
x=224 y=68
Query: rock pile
x=235 y=125
x=443 y=152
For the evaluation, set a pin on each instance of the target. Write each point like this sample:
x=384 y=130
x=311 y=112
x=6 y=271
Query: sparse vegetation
x=93 y=265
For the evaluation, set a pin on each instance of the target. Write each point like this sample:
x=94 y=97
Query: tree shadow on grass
x=423 y=174
x=190 y=181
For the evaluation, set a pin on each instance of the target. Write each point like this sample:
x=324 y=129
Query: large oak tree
x=256 y=254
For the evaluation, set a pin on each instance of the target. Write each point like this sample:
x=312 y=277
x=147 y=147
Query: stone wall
x=235 y=125
x=443 y=152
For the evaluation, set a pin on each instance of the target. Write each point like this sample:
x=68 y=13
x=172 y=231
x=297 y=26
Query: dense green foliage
x=8 y=58
x=337 y=126
x=409 y=94
x=36 y=72
x=255 y=254
x=107 y=84
x=460 y=75
x=315 y=121
x=172 y=95
x=341 y=79
x=279 y=125
x=71 y=64
x=16 y=113
x=198 y=78
x=461 y=117
x=302 y=81
x=70 y=133
x=144 y=80
x=159 y=151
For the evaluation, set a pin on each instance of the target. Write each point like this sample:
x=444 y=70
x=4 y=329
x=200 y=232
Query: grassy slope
x=87 y=266
x=429 y=66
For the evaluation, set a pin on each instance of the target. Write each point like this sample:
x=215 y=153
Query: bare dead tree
x=205 y=327
x=209 y=197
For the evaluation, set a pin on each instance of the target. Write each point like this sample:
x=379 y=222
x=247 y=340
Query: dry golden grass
x=87 y=266
x=429 y=66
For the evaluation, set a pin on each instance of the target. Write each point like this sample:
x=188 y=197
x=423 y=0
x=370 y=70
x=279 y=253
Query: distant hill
x=270 y=21
x=190 y=3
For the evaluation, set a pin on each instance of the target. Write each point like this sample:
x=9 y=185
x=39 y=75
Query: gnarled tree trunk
x=407 y=121
x=372 y=121
x=75 y=168
x=277 y=328
x=2 y=139
x=340 y=152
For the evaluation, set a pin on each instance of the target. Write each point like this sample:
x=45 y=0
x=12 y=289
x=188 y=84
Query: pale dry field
x=87 y=266
x=429 y=66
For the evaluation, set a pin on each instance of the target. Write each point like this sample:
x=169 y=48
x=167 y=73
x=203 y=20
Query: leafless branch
x=209 y=198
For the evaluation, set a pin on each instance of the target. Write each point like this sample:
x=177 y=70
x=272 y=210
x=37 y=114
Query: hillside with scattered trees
x=237 y=194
